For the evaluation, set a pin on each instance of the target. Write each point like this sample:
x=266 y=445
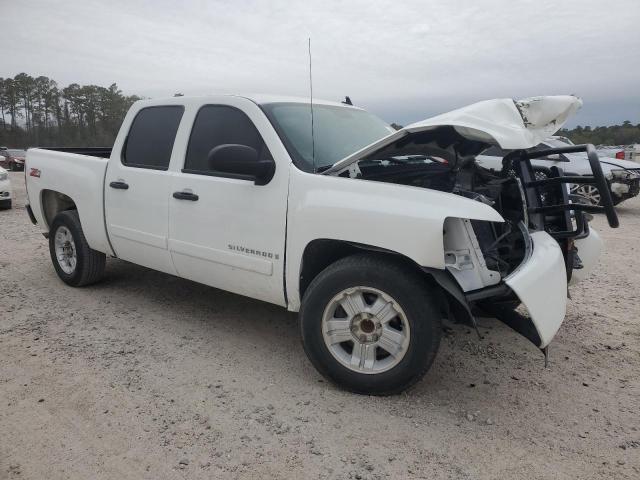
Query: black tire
x=5 y=204
x=89 y=264
x=407 y=287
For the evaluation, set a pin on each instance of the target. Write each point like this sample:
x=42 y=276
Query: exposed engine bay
x=529 y=258
x=480 y=254
x=443 y=160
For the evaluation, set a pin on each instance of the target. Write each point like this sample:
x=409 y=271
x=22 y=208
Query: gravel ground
x=146 y=375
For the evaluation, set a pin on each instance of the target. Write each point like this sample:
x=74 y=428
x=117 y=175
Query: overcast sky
x=403 y=60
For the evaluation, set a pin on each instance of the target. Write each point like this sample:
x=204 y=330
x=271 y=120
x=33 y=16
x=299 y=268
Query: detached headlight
x=3 y=176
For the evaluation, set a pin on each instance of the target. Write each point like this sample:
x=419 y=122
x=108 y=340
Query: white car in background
x=5 y=190
x=622 y=176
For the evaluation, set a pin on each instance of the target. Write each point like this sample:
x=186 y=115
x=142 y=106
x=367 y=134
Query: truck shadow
x=463 y=362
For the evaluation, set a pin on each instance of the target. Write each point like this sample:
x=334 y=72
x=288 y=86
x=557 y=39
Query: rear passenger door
x=228 y=232
x=137 y=189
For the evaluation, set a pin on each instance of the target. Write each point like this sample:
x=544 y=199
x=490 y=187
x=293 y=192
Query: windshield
x=338 y=132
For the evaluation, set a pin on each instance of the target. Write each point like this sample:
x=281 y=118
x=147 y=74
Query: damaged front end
x=530 y=258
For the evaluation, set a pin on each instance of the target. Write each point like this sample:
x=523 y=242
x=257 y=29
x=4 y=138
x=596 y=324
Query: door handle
x=186 y=196
x=119 y=185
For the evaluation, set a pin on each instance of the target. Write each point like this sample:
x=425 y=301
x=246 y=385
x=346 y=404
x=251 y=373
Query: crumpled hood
x=511 y=124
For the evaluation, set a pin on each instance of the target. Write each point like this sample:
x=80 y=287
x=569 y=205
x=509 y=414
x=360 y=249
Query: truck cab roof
x=257 y=98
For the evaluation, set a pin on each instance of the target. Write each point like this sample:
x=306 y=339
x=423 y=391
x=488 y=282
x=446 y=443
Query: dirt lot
x=149 y=376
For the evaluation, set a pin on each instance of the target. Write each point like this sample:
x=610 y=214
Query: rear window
x=150 y=140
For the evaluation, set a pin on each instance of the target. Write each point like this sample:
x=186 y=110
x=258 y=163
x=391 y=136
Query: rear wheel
x=370 y=325
x=75 y=262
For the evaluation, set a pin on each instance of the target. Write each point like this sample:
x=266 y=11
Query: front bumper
x=540 y=283
x=5 y=191
x=588 y=249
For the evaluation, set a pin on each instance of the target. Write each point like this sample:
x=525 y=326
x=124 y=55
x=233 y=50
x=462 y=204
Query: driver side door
x=228 y=232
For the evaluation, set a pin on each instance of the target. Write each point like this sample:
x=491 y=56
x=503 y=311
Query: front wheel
x=370 y=325
x=75 y=262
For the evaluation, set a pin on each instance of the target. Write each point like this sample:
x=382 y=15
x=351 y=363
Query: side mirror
x=241 y=161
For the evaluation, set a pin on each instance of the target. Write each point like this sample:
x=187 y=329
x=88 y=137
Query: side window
x=151 y=137
x=220 y=125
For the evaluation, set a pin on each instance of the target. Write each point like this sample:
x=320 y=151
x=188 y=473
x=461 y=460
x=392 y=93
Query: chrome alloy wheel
x=589 y=192
x=65 y=250
x=365 y=330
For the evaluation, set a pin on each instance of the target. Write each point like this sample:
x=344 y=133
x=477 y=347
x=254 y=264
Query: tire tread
x=93 y=262
x=395 y=269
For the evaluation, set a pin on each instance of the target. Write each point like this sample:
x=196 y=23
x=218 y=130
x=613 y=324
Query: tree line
x=36 y=111
x=625 y=134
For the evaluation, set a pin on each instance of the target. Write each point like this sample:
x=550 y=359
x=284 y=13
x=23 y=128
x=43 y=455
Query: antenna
x=313 y=140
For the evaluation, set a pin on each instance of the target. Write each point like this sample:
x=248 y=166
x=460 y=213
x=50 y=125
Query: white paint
x=464 y=258
x=229 y=213
x=504 y=122
x=6 y=193
x=589 y=250
x=541 y=284
x=403 y=219
x=81 y=178
x=234 y=237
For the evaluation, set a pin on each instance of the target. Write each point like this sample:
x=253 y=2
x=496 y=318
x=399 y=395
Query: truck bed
x=102 y=152
x=77 y=173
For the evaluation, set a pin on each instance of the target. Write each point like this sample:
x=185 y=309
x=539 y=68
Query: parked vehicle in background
x=384 y=232
x=13 y=159
x=632 y=153
x=623 y=177
x=611 y=151
x=621 y=152
x=5 y=190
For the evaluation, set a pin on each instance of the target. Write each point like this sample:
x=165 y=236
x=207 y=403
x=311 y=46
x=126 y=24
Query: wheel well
x=321 y=253
x=55 y=202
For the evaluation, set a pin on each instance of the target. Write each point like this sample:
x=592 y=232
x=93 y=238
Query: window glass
x=220 y=125
x=151 y=137
x=338 y=131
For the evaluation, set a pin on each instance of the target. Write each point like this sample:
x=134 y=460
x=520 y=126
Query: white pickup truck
x=374 y=236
